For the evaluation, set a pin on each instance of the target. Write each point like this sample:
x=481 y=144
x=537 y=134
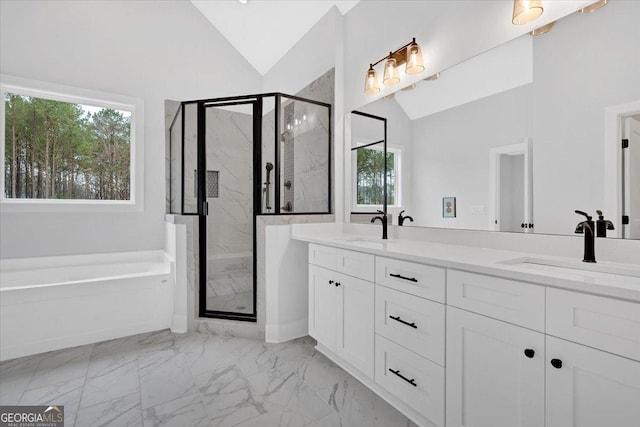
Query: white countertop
x=489 y=261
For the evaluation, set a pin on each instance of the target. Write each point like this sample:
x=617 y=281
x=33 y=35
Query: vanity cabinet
x=503 y=352
x=341 y=306
x=495 y=372
x=590 y=388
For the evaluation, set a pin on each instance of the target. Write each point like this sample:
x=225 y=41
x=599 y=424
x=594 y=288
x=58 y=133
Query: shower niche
x=232 y=159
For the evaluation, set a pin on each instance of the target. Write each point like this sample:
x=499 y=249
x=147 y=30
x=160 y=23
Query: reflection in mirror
x=373 y=178
x=550 y=92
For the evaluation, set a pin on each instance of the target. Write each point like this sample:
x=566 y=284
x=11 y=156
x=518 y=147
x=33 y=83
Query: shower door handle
x=205 y=208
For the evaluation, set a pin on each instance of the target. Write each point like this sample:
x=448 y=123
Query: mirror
x=373 y=167
x=518 y=138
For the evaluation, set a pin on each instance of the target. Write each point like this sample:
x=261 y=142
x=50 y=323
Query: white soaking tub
x=50 y=303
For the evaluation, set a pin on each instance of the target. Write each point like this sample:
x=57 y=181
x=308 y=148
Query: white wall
x=312 y=56
x=142 y=49
x=449 y=32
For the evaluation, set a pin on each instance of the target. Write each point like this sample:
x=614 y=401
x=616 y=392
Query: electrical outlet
x=478 y=209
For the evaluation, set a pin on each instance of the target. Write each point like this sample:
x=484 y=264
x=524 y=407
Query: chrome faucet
x=383 y=220
x=586 y=228
x=602 y=225
x=402 y=218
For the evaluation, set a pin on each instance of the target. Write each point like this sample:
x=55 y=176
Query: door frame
x=613 y=161
x=524 y=148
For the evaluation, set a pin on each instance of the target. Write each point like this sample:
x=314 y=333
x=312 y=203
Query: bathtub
x=51 y=303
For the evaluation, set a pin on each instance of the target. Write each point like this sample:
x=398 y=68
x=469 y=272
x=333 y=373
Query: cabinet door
x=322 y=306
x=590 y=388
x=356 y=322
x=491 y=381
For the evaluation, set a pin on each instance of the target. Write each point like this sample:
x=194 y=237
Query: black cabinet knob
x=337 y=284
x=331 y=282
x=529 y=353
x=556 y=363
x=522 y=225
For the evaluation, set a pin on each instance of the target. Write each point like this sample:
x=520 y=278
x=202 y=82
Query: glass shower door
x=228 y=203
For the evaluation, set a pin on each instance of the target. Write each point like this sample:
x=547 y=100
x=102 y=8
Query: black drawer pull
x=398 y=319
x=410 y=381
x=400 y=276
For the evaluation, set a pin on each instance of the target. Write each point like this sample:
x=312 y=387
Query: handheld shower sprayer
x=269 y=168
x=267 y=185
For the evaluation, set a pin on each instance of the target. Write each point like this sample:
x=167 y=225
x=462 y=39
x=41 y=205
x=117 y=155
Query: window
x=368 y=177
x=69 y=149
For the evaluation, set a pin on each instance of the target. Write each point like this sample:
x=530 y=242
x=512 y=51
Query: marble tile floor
x=241 y=302
x=192 y=380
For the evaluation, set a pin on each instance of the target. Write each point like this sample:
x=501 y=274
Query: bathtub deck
x=194 y=380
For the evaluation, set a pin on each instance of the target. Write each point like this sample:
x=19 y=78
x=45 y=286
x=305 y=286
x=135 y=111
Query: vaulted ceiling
x=264 y=30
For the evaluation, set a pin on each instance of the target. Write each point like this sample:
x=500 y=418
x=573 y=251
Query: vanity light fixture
x=409 y=54
x=410 y=87
x=525 y=11
x=543 y=30
x=594 y=6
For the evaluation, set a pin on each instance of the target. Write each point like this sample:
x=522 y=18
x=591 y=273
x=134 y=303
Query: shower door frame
x=257 y=100
x=203 y=206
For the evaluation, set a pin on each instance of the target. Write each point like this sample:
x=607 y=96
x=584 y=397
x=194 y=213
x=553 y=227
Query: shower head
x=269 y=166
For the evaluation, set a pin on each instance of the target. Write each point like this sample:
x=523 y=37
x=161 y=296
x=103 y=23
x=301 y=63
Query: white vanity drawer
x=322 y=256
x=416 y=381
x=415 y=323
x=422 y=280
x=509 y=300
x=355 y=264
x=600 y=322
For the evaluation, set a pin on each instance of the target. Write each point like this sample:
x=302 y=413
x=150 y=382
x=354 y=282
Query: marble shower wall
x=305 y=147
x=310 y=147
x=230 y=153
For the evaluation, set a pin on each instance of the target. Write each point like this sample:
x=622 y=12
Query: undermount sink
x=604 y=270
x=363 y=242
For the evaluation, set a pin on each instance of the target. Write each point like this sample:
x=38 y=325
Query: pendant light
x=391 y=75
x=371 y=86
x=525 y=11
x=414 y=59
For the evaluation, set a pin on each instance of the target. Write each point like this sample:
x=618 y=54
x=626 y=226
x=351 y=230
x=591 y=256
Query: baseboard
x=179 y=324
x=287 y=331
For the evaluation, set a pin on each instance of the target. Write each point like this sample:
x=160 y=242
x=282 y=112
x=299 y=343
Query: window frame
x=39 y=89
x=397 y=151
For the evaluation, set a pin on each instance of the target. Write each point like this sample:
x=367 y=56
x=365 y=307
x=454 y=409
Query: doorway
x=511 y=188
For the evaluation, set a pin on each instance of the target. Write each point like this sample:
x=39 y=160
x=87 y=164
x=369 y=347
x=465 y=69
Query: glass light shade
x=594 y=6
x=414 y=59
x=525 y=11
x=371 y=86
x=544 y=29
x=391 y=75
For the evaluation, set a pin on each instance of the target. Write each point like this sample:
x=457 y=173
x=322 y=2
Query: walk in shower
x=232 y=159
